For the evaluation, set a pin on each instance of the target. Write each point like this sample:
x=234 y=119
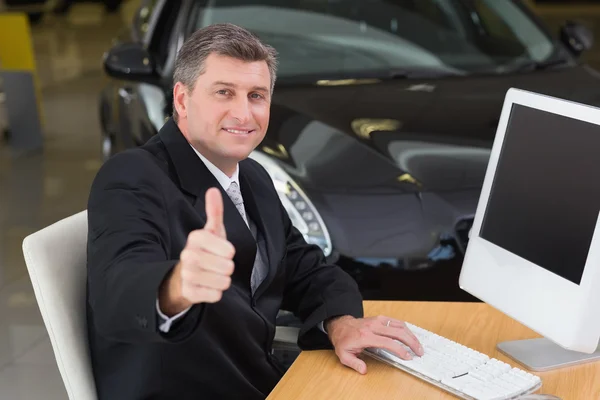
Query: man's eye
x=223 y=91
x=257 y=96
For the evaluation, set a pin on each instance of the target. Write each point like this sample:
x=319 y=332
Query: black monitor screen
x=545 y=196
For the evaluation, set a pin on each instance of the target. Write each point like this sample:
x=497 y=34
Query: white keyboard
x=460 y=370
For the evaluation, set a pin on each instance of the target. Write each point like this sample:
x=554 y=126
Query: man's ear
x=180 y=94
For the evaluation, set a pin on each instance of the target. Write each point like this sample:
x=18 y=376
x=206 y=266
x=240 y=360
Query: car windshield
x=354 y=37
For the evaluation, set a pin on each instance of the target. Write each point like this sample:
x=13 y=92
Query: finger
x=207 y=241
x=352 y=361
x=403 y=335
x=201 y=294
x=201 y=260
x=214 y=212
x=207 y=279
x=419 y=350
x=386 y=343
x=396 y=323
x=387 y=321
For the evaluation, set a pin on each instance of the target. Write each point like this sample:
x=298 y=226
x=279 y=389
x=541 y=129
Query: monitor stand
x=544 y=355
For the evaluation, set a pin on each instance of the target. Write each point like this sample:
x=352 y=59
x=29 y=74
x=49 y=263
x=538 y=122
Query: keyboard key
x=477 y=390
x=484 y=376
x=461 y=381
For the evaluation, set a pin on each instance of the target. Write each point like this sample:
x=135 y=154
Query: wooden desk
x=319 y=375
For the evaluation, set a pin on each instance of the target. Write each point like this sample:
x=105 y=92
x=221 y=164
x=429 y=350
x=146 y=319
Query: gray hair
x=223 y=39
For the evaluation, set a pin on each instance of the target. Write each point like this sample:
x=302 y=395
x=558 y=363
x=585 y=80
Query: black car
x=382 y=120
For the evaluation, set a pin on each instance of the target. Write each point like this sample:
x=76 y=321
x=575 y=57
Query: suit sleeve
x=128 y=252
x=315 y=290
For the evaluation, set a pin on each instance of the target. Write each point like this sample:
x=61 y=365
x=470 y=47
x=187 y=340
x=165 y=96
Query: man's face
x=227 y=114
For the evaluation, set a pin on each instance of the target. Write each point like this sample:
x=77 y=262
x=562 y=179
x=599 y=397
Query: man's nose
x=240 y=110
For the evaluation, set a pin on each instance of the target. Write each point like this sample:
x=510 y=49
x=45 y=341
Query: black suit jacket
x=142 y=206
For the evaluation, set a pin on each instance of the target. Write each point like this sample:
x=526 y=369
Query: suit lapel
x=196 y=179
x=260 y=209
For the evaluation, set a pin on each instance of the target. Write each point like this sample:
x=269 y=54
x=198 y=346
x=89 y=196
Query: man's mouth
x=239 y=131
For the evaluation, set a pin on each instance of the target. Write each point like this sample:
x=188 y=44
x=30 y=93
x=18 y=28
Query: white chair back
x=56 y=261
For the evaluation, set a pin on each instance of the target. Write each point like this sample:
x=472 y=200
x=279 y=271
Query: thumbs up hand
x=214 y=213
x=205 y=264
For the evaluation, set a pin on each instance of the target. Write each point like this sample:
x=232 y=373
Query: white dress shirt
x=224 y=181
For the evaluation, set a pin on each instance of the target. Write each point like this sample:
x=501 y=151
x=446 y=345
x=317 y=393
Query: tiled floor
x=42 y=188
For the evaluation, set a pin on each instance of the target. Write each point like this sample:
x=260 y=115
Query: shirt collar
x=223 y=179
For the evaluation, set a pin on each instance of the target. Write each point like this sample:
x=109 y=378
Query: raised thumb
x=214 y=212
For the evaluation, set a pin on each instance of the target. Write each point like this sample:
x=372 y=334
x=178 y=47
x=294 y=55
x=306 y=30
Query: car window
x=350 y=36
x=504 y=22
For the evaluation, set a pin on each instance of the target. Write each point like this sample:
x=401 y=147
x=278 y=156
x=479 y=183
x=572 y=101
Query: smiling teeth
x=236 y=131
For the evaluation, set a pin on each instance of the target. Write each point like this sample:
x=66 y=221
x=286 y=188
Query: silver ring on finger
x=388 y=323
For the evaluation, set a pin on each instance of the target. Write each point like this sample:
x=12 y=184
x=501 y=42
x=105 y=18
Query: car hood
x=431 y=134
x=394 y=167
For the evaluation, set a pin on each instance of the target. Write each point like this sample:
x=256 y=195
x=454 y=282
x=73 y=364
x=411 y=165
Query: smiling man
x=191 y=254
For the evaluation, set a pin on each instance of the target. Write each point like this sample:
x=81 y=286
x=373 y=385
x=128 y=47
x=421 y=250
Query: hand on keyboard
x=350 y=336
x=460 y=370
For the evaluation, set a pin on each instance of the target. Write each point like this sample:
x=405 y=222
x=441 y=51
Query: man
x=191 y=254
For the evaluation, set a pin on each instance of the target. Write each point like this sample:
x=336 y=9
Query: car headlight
x=302 y=212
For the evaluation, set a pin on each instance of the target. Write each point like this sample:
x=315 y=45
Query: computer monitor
x=534 y=247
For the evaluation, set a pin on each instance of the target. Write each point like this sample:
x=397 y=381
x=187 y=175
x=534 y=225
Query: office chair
x=56 y=262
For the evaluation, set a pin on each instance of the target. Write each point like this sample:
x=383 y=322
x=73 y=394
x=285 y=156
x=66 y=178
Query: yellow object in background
x=16 y=50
